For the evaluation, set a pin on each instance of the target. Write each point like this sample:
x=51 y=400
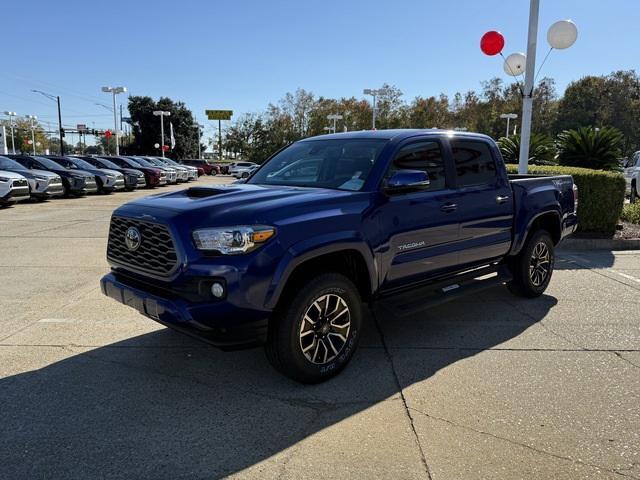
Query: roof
x=396 y=134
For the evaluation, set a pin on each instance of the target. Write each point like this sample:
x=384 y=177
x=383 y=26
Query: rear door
x=422 y=226
x=484 y=200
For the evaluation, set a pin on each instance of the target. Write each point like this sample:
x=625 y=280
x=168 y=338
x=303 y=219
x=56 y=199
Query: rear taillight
x=575 y=198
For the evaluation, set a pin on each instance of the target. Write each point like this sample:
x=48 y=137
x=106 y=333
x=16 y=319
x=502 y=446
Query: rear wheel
x=314 y=334
x=533 y=267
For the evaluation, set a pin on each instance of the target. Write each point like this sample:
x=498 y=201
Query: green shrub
x=588 y=147
x=541 y=149
x=600 y=195
x=631 y=213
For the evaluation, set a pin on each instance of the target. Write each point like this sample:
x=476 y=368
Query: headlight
x=78 y=177
x=42 y=179
x=232 y=240
x=4 y=179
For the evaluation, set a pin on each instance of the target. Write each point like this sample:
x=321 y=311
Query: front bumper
x=217 y=322
x=16 y=194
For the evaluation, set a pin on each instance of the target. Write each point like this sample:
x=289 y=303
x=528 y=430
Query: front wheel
x=533 y=267
x=314 y=334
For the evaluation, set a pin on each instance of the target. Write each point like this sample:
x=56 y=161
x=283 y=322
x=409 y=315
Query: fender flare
x=313 y=248
x=519 y=239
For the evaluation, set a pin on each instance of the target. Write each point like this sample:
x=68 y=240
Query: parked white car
x=13 y=187
x=242 y=169
x=632 y=176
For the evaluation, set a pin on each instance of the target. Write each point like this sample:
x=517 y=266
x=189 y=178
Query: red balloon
x=108 y=134
x=492 y=43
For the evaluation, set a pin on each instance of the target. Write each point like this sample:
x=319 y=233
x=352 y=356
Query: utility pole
x=162 y=114
x=527 y=99
x=114 y=91
x=55 y=98
x=219 y=139
x=11 y=116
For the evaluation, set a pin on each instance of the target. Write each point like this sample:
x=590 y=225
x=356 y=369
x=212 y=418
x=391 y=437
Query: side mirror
x=407 y=180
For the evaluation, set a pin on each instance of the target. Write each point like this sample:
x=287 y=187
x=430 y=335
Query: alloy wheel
x=324 y=329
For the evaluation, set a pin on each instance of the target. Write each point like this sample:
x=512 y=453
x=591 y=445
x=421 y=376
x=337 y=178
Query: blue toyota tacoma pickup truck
x=328 y=224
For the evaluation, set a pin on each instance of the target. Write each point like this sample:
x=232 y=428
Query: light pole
x=509 y=117
x=334 y=117
x=11 y=116
x=55 y=98
x=33 y=118
x=374 y=93
x=198 y=126
x=162 y=114
x=114 y=91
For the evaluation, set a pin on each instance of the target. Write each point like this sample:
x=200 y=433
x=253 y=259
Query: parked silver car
x=42 y=184
x=13 y=187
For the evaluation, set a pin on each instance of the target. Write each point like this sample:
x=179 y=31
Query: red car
x=206 y=166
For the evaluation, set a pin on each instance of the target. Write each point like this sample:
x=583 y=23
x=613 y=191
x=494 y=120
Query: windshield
x=78 y=162
x=338 y=164
x=10 y=164
x=107 y=163
x=48 y=163
x=142 y=162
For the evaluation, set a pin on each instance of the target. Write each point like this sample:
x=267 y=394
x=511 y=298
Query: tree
x=597 y=148
x=146 y=127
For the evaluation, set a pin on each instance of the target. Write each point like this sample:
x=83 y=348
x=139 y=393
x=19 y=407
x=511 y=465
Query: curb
x=600 y=244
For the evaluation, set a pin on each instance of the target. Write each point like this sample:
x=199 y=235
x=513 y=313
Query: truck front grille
x=155 y=253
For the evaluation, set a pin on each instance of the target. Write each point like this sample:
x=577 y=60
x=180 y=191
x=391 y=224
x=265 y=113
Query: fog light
x=217 y=290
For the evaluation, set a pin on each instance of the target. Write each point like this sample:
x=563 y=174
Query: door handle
x=502 y=198
x=449 y=207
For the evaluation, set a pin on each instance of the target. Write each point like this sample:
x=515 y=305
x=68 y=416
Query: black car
x=74 y=182
x=107 y=181
x=132 y=178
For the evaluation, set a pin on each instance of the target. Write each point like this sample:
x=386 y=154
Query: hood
x=247 y=204
x=132 y=171
x=11 y=175
x=108 y=171
x=44 y=173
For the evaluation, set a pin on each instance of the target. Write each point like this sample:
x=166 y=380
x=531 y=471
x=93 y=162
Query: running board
x=418 y=299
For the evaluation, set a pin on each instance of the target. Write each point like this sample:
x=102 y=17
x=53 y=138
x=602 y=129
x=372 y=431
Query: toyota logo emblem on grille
x=132 y=238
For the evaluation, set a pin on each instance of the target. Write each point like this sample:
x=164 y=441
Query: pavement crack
x=520 y=444
x=619 y=355
x=387 y=353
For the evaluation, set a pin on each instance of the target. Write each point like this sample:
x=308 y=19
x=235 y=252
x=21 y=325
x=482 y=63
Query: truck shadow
x=162 y=405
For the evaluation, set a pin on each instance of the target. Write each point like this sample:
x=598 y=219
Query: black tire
x=532 y=272
x=286 y=338
x=634 y=195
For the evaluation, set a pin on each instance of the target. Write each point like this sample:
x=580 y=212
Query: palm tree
x=541 y=149
x=588 y=147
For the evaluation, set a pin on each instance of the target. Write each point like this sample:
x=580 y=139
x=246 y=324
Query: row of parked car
x=45 y=176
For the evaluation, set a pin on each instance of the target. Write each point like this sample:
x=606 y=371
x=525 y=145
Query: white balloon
x=562 y=34
x=515 y=64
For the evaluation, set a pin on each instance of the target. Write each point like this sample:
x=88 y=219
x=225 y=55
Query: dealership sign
x=219 y=114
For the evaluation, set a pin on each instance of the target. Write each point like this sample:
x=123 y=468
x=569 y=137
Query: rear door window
x=425 y=156
x=474 y=163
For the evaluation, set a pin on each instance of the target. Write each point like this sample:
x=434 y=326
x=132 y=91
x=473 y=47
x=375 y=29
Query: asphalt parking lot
x=490 y=387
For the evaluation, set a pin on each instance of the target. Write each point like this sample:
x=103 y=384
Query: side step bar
x=418 y=299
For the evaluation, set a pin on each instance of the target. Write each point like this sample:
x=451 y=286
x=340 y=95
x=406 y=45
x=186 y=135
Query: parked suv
x=407 y=218
x=13 y=188
x=132 y=178
x=42 y=184
x=170 y=173
x=74 y=182
x=242 y=169
x=107 y=180
x=152 y=175
x=632 y=176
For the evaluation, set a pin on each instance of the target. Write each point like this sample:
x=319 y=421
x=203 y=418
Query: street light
x=509 y=117
x=11 y=116
x=334 y=118
x=162 y=114
x=33 y=118
x=374 y=93
x=114 y=91
x=55 y=98
x=198 y=126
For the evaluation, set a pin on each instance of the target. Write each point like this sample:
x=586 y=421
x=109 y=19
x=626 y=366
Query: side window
x=426 y=156
x=474 y=163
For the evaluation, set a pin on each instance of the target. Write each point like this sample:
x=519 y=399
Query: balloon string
x=540 y=67
x=513 y=75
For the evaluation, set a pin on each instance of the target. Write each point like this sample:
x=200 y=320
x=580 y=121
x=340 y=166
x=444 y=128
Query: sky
x=243 y=54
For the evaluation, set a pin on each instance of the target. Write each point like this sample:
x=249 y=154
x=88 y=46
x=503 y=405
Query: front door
x=421 y=227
